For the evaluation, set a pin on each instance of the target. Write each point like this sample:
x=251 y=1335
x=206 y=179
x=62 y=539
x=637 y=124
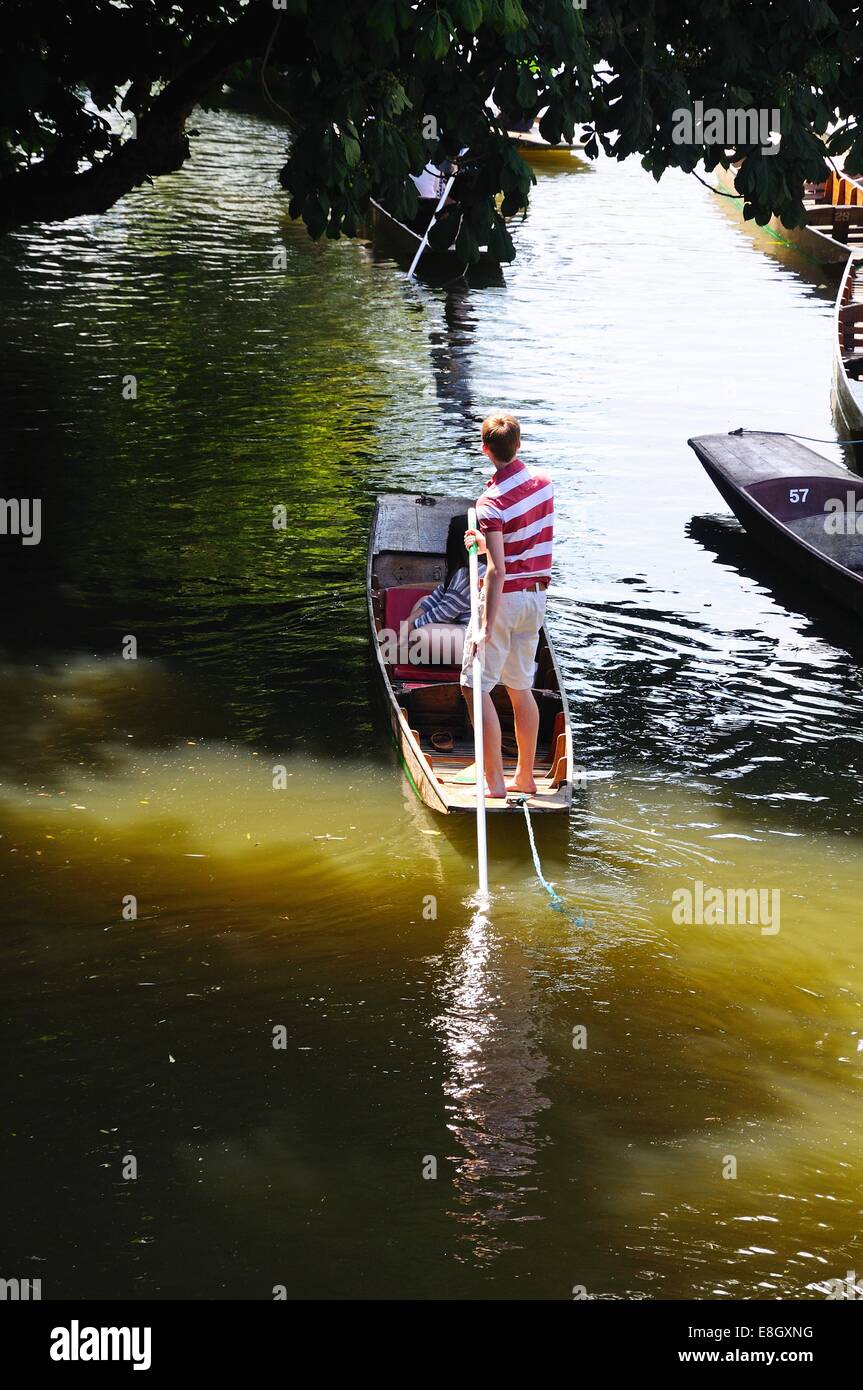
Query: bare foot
x=525 y=785
x=468 y=776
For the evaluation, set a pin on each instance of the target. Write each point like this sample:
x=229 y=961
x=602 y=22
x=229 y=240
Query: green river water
x=717 y=714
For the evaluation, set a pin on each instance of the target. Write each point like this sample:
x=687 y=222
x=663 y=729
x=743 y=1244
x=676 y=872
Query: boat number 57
x=798 y=494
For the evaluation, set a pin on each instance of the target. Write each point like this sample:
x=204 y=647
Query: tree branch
x=43 y=193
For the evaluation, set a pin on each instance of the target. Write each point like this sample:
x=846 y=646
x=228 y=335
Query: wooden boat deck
x=835 y=210
x=756 y=457
x=549 y=796
x=442 y=709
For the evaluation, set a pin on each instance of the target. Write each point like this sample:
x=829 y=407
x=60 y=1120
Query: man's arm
x=495 y=574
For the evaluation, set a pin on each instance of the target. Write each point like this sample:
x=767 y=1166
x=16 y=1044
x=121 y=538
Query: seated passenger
x=433 y=179
x=444 y=613
x=430 y=185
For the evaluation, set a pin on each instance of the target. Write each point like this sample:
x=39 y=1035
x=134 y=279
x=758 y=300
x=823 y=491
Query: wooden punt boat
x=533 y=148
x=848 y=348
x=407 y=558
x=801 y=507
x=834 y=217
x=397 y=239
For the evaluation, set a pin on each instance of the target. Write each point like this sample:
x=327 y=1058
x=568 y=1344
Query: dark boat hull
x=395 y=239
x=839 y=583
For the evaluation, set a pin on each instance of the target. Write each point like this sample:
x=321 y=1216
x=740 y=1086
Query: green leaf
x=315 y=212
x=439 y=37
x=512 y=17
x=382 y=18
x=500 y=241
x=525 y=92
x=396 y=99
x=469 y=14
x=466 y=244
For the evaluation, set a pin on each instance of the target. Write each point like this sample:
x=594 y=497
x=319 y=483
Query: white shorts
x=509 y=655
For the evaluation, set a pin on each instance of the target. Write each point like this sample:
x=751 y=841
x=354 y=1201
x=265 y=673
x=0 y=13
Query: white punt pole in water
x=443 y=197
x=481 y=847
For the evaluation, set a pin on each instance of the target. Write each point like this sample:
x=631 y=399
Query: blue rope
x=556 y=901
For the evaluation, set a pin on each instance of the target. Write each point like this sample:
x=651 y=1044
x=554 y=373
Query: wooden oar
x=442 y=200
x=476 y=671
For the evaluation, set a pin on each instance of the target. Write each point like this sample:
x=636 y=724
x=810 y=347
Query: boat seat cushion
x=398 y=602
x=448 y=675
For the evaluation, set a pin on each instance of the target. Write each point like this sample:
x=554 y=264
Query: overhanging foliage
x=375 y=87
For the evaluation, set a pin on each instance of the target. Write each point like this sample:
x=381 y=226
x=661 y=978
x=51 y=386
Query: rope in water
x=556 y=901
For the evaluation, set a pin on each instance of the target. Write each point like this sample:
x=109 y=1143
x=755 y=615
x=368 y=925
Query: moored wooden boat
x=406 y=558
x=536 y=150
x=834 y=217
x=848 y=348
x=801 y=507
x=400 y=241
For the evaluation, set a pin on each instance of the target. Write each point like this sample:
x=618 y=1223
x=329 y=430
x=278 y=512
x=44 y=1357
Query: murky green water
x=718 y=720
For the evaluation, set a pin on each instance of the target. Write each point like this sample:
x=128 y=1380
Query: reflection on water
x=450 y=358
x=493 y=1087
x=717 y=712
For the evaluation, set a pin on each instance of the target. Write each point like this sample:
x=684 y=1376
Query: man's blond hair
x=501 y=433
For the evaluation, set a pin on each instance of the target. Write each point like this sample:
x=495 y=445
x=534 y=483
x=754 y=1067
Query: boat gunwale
x=415 y=236
x=853 y=389
x=404 y=727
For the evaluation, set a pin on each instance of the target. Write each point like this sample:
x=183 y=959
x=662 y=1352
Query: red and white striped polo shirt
x=520 y=502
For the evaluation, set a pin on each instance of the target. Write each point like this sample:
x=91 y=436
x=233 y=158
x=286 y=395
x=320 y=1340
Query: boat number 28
x=798 y=494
